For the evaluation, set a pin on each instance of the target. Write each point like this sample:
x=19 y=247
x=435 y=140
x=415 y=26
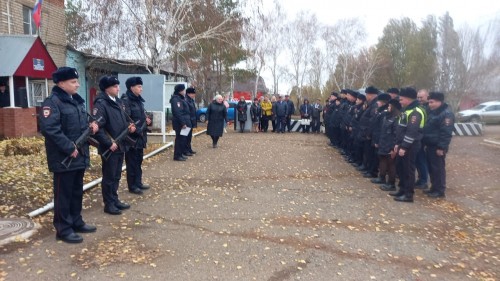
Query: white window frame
x=29 y=21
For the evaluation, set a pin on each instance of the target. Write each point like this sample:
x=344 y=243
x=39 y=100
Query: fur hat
x=371 y=90
x=408 y=92
x=108 y=81
x=190 y=90
x=395 y=104
x=361 y=97
x=133 y=81
x=64 y=73
x=436 y=96
x=179 y=88
x=384 y=97
x=352 y=93
x=393 y=91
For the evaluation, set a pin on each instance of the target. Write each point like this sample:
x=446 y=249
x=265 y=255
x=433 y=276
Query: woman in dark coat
x=255 y=113
x=216 y=118
x=241 y=107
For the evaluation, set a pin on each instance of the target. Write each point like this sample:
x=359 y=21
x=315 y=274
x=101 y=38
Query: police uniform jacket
x=378 y=119
x=366 y=120
x=344 y=109
x=112 y=123
x=134 y=107
x=439 y=127
x=192 y=111
x=411 y=125
x=180 y=111
x=356 y=111
x=387 y=138
x=64 y=120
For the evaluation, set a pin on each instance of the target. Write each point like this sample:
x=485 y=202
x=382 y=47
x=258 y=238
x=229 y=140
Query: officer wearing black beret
x=63 y=120
x=181 y=120
x=134 y=108
x=113 y=122
x=190 y=96
x=438 y=131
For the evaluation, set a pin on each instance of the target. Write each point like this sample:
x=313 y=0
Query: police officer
x=408 y=142
x=181 y=120
x=190 y=96
x=113 y=122
x=63 y=121
x=366 y=130
x=134 y=108
x=437 y=137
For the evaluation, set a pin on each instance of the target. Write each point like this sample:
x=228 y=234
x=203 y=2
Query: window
x=37 y=93
x=28 y=23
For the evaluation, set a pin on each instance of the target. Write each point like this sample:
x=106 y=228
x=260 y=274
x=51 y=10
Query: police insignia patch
x=447 y=121
x=94 y=111
x=178 y=104
x=46 y=111
x=414 y=119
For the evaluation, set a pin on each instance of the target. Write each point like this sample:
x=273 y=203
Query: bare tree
x=152 y=31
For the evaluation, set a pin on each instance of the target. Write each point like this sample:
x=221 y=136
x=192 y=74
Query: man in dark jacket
x=408 y=141
x=181 y=120
x=437 y=137
x=290 y=112
x=190 y=96
x=134 y=108
x=281 y=111
x=113 y=121
x=370 y=159
x=63 y=121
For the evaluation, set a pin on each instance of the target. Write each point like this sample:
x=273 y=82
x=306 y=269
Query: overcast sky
x=375 y=14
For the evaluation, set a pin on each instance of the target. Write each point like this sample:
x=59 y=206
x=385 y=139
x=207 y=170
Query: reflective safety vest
x=410 y=111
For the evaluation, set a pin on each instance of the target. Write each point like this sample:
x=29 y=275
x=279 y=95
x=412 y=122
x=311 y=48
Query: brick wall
x=52 y=31
x=18 y=122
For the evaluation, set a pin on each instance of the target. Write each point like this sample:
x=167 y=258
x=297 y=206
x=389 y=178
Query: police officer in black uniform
x=408 y=142
x=438 y=131
x=190 y=96
x=181 y=119
x=134 y=108
x=63 y=121
x=113 y=122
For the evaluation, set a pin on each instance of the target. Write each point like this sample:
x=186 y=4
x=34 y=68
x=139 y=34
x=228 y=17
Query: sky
x=376 y=14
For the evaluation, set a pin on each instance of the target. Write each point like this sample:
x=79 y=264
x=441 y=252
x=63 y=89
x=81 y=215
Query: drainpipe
x=93 y=183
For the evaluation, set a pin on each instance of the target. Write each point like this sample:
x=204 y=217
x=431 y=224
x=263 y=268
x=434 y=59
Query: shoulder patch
x=94 y=111
x=46 y=111
x=178 y=104
x=413 y=119
x=447 y=121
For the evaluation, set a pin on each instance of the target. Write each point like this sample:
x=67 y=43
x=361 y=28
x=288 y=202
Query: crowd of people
x=384 y=135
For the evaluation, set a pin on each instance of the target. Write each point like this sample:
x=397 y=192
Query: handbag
x=305 y=122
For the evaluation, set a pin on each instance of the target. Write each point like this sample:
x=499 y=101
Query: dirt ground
x=279 y=207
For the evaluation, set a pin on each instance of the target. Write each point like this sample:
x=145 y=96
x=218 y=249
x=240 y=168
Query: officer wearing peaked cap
x=63 y=120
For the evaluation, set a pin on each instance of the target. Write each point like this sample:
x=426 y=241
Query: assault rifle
x=80 y=141
x=120 y=137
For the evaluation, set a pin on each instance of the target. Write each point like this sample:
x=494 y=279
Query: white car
x=488 y=112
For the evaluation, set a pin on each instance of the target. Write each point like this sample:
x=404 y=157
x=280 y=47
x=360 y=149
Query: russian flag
x=37 y=12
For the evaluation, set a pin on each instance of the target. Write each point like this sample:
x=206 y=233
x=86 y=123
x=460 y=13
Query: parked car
x=488 y=112
x=201 y=113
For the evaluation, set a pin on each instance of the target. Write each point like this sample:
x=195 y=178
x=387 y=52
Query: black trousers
x=280 y=123
x=180 y=143
x=133 y=161
x=407 y=169
x=315 y=124
x=437 y=169
x=265 y=123
x=111 y=175
x=273 y=122
x=288 y=121
x=68 y=196
x=189 y=138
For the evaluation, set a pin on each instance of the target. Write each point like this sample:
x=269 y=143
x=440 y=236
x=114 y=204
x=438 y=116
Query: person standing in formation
x=242 y=108
x=134 y=108
x=181 y=120
x=110 y=110
x=63 y=121
x=190 y=99
x=255 y=114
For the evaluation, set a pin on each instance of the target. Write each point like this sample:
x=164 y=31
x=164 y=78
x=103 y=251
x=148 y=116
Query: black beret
x=436 y=96
x=108 y=81
x=190 y=90
x=64 y=73
x=133 y=81
x=361 y=97
x=408 y=92
x=393 y=91
x=179 y=88
x=384 y=97
x=371 y=90
x=395 y=104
